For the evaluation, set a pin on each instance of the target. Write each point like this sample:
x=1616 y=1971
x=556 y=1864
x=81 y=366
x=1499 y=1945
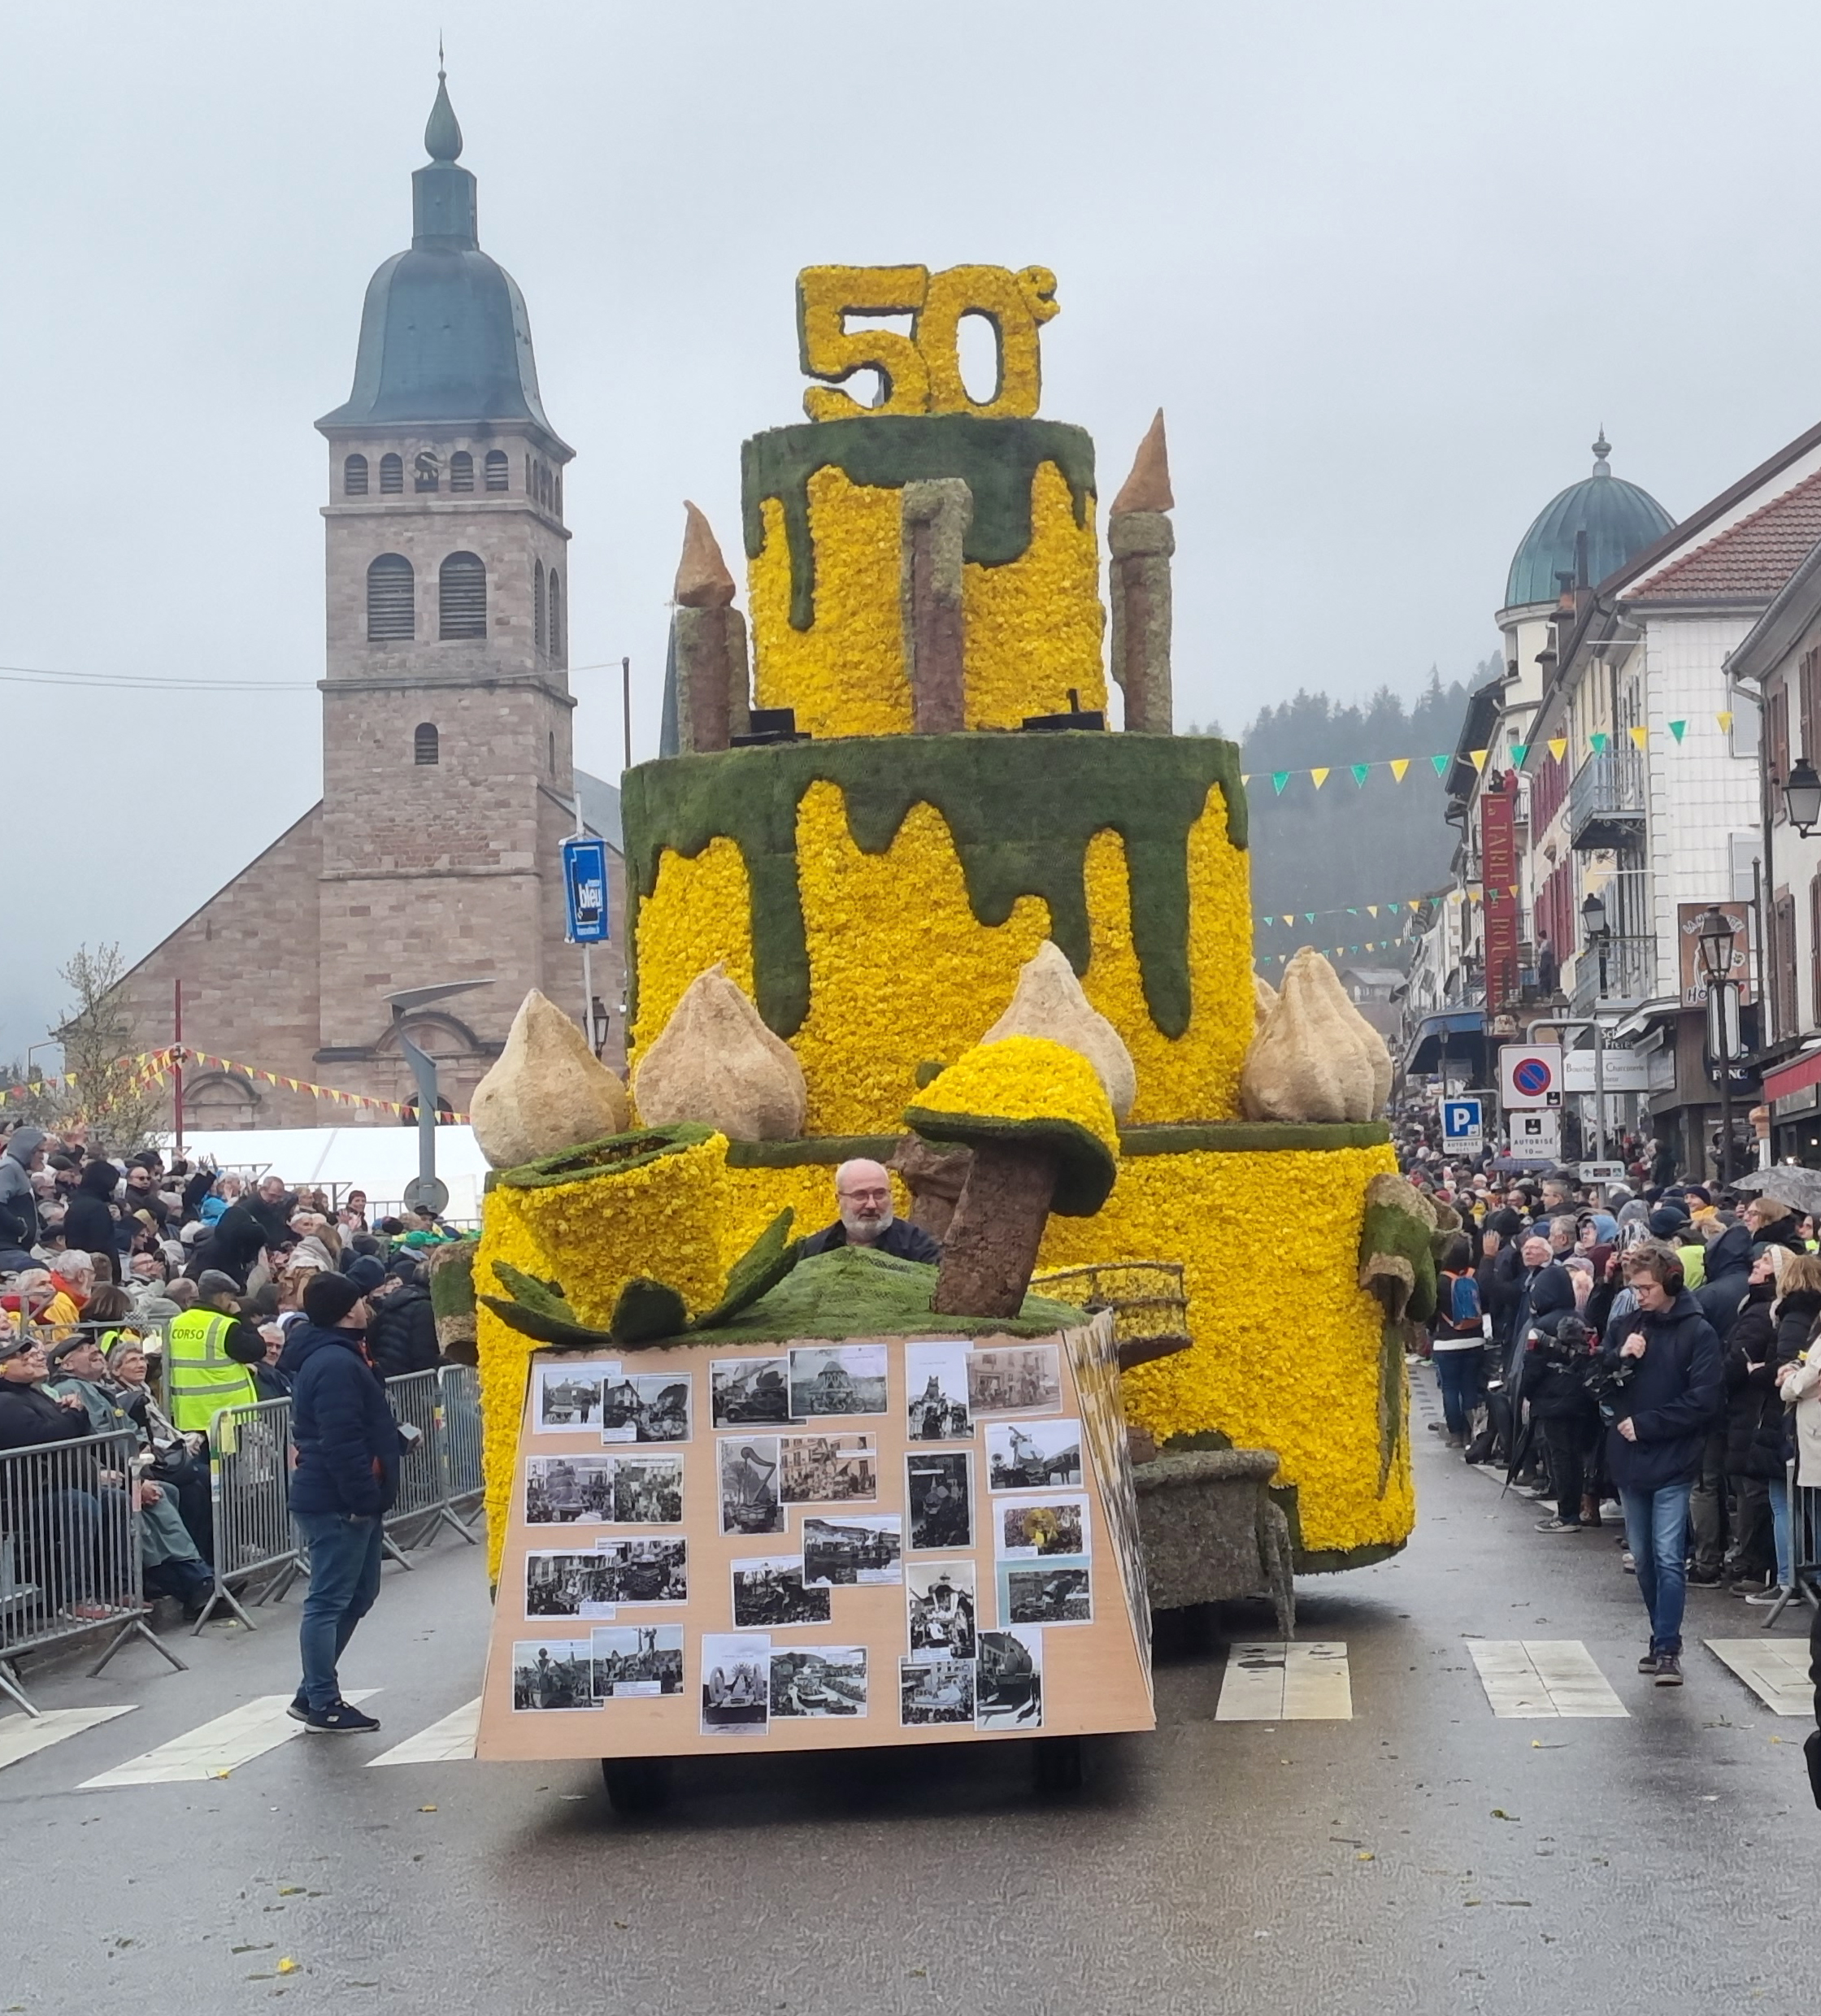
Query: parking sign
x=1463 y=1126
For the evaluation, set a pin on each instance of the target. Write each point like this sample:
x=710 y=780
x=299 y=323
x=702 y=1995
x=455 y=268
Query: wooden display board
x=817 y=1546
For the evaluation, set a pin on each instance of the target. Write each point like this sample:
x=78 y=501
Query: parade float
x=903 y=894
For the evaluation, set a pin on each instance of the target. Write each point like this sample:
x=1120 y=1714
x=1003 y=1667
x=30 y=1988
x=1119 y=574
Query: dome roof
x=444 y=334
x=1619 y=520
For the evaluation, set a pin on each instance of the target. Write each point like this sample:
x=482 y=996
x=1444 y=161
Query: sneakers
x=341 y=1720
x=1669 y=1670
x=1748 y=1587
x=1704 y=1578
x=1629 y=1562
x=299 y=1709
x=1648 y=1663
x=1776 y=1593
x=1558 y=1525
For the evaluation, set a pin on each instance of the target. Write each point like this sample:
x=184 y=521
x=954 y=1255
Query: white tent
x=379 y=1160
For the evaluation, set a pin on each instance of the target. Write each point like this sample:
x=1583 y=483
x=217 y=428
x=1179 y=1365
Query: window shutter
x=392 y=476
x=499 y=478
x=354 y=476
x=461 y=471
x=462 y=597
x=426 y=744
x=391 y=600
x=537 y=628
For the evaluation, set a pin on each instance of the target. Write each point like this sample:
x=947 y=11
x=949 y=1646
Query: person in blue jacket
x=346 y=1474
x=1663 y=1390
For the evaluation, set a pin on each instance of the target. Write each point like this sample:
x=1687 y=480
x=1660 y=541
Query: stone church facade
x=433 y=858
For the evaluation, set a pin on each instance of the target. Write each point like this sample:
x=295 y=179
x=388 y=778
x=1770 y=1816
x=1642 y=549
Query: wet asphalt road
x=1422 y=1857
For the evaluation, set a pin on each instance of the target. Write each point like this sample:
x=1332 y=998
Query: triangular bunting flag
x=1640 y=737
x=1399 y=765
x=1318 y=777
x=1361 y=772
x=1520 y=750
x=1243 y=778
x=1479 y=756
x=1558 y=746
x=1279 y=779
x=1439 y=765
x=1678 y=729
x=1371 y=909
x=1352 y=911
x=1599 y=743
x=1288 y=919
x=1310 y=914
x=1725 y=719
x=1513 y=888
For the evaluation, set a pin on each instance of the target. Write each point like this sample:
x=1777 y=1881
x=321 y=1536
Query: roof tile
x=1754 y=557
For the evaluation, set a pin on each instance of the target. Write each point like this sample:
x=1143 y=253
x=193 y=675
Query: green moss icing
x=829 y=1151
x=1022 y=808
x=1085 y=1165
x=997 y=460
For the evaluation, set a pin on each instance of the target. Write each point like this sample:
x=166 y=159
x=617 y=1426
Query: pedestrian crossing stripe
x=1774 y=1668
x=1274 y=1680
x=1528 y=1679
x=449 y=1741
x=214 y=1748
x=24 y=1735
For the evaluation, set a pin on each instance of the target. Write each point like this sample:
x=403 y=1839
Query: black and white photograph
x=1043 y=1529
x=648 y=1570
x=748 y=1478
x=736 y=1684
x=861 y=1551
x=828 y=1469
x=1008 y=1686
x=1045 y=1592
x=935 y=1391
x=638 y=1661
x=569 y=1585
x=568 y=1394
x=1033 y=1455
x=768 y=1590
x=1015 y=1378
x=552 y=1673
x=568 y=1490
x=935 y=1693
x=939 y=1499
x=646 y=1407
x=647 y=1490
x=837 y=1379
x=939 y=1603
x=749 y=1392
x=811 y=1680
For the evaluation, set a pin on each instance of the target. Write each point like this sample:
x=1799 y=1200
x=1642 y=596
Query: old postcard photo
x=935 y=1693
x=748 y=1477
x=1015 y=1378
x=1009 y=1679
x=648 y=1570
x=647 y=1490
x=837 y=1378
x=749 y=1392
x=552 y=1673
x=1040 y=1529
x=569 y=1585
x=1033 y=1455
x=568 y=1490
x=862 y=1550
x=828 y=1469
x=810 y=1680
x=939 y=1499
x=736 y=1684
x=768 y=1590
x=1045 y=1592
x=566 y=1394
x=939 y=1603
x=634 y=1661
x=646 y=1407
x=935 y=1391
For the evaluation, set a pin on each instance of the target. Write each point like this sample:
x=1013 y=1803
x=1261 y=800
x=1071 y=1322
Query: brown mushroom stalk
x=990 y=1250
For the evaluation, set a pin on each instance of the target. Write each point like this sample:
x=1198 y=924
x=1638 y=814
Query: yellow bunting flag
x=1558 y=746
x=1641 y=735
x=1399 y=765
x=1318 y=777
x=1479 y=756
x=1725 y=719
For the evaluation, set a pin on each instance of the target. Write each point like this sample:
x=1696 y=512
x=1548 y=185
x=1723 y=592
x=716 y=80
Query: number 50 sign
x=920 y=372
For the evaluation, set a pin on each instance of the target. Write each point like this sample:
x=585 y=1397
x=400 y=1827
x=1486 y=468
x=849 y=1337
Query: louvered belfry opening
x=392 y=476
x=426 y=744
x=354 y=476
x=461 y=471
x=537 y=630
x=391 y=600
x=498 y=477
x=462 y=597
x=556 y=618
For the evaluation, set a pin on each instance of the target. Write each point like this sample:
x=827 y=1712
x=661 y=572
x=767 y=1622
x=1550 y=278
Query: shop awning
x=1797 y=1075
x=1461 y=1034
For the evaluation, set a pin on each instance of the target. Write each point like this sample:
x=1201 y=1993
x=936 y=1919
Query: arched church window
x=462 y=597
x=556 y=618
x=391 y=600
x=354 y=476
x=553 y=752
x=426 y=744
x=499 y=478
x=461 y=471
x=392 y=476
x=538 y=631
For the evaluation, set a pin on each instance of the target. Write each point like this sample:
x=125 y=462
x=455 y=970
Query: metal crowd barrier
x=71 y=1557
x=1804 y=1546
x=249 y=1507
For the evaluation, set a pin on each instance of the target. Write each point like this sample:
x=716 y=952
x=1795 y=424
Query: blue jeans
x=344 y=1556
x=1457 y=1375
x=1657 y=1532
x=1779 y=1529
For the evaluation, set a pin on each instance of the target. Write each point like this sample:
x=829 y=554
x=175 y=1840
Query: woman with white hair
x=317 y=1244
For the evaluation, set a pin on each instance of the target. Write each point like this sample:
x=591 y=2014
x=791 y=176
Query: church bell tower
x=447 y=777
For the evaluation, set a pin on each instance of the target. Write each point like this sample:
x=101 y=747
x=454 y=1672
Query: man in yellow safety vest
x=209 y=1354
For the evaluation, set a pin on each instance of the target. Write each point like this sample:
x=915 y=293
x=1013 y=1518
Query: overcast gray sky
x=1386 y=266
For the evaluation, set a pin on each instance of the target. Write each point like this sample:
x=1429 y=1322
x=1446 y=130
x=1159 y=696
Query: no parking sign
x=1529 y=1075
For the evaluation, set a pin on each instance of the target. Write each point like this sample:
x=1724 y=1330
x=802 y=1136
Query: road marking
x=215 y=1748
x=1774 y=1668
x=1269 y=1680
x=24 y=1735
x=449 y=1741
x=1525 y=1679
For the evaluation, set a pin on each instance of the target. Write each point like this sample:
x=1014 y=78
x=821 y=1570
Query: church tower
x=447 y=778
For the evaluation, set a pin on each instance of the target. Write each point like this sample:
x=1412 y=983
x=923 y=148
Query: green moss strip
x=996 y=459
x=615 y=1156
x=1022 y=808
x=829 y=1152
x=1250 y=1137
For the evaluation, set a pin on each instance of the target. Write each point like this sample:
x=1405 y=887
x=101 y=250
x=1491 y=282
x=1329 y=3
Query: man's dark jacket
x=346 y=1440
x=29 y=1417
x=1543 y=1291
x=402 y=1336
x=240 y=1234
x=901 y=1239
x=1725 y=1276
x=1673 y=1399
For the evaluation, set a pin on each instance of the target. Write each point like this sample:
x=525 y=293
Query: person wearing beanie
x=402 y=1335
x=346 y=1474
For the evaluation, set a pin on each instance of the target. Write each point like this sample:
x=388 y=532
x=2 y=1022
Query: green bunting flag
x=1361 y=772
x=1599 y=743
x=1279 y=779
x=1678 y=729
x=1440 y=765
x=1520 y=750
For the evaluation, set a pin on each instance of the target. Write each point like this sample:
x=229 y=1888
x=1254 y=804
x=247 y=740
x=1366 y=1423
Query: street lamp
x=1715 y=933
x=1802 y=797
x=1594 y=928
